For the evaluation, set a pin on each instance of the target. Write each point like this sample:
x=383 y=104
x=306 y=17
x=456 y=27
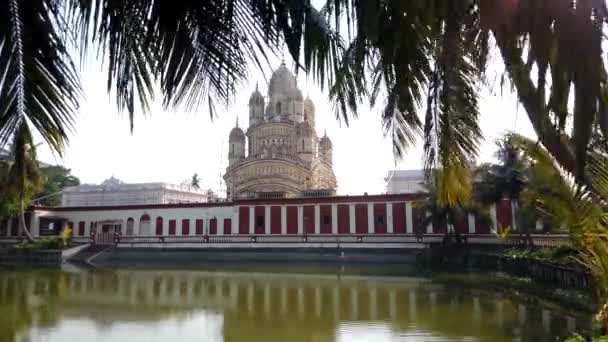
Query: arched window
x=302 y=145
x=130 y=223
x=232 y=148
x=144 y=225
x=278 y=107
x=159 y=226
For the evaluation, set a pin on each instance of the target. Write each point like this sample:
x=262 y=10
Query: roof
x=262 y=201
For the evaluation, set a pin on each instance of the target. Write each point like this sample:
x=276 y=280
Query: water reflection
x=199 y=305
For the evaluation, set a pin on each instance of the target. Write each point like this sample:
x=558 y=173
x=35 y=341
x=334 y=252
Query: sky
x=171 y=145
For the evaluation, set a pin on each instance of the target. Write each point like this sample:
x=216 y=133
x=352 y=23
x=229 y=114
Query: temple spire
x=237 y=120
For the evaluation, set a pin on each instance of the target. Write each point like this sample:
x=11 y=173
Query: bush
x=579 y=338
x=42 y=244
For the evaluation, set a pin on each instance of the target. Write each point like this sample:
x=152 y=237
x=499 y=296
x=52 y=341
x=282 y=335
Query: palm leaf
x=38 y=81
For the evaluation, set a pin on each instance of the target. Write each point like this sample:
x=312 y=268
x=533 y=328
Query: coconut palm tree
x=23 y=176
x=428 y=60
x=582 y=209
x=506 y=179
x=435 y=210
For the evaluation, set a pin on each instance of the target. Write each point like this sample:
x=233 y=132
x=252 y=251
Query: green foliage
x=55 y=243
x=55 y=179
x=579 y=338
x=562 y=254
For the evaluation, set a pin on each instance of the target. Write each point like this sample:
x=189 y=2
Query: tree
x=436 y=211
x=195 y=182
x=507 y=179
x=23 y=175
x=582 y=209
x=55 y=179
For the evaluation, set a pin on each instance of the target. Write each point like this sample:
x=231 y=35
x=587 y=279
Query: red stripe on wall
x=227 y=226
x=275 y=220
x=326 y=219
x=343 y=219
x=399 y=225
x=243 y=220
x=14 y=226
x=185 y=227
x=199 y=226
x=259 y=220
x=503 y=213
x=213 y=226
x=309 y=219
x=172 y=225
x=292 y=220
x=80 y=228
x=380 y=218
x=361 y=218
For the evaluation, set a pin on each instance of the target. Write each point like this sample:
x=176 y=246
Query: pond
x=263 y=304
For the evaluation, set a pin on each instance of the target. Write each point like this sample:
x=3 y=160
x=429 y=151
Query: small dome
x=325 y=142
x=283 y=80
x=308 y=103
x=256 y=96
x=237 y=134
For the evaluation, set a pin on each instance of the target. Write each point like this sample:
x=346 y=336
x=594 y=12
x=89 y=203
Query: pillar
x=409 y=219
x=351 y=219
x=429 y=228
x=267 y=220
x=471 y=218
x=389 y=218
x=251 y=220
x=334 y=219
x=300 y=220
x=546 y=317
x=317 y=219
x=235 y=221
x=493 y=217
x=433 y=300
x=521 y=314
x=283 y=220
x=370 y=218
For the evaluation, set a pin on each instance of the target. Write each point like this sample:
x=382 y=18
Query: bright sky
x=171 y=146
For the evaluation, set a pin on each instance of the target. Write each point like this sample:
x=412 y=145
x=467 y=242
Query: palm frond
x=38 y=80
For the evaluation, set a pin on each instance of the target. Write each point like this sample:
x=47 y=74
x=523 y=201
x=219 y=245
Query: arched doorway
x=144 y=225
x=130 y=224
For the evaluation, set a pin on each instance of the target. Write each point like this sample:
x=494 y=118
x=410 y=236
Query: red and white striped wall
x=381 y=214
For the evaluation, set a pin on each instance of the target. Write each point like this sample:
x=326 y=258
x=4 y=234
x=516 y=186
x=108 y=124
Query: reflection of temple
x=283 y=307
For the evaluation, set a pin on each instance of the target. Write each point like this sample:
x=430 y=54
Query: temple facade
x=279 y=154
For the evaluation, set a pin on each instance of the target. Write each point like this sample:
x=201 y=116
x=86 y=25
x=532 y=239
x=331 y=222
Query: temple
x=280 y=154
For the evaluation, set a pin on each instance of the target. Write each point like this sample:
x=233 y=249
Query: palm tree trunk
x=22 y=226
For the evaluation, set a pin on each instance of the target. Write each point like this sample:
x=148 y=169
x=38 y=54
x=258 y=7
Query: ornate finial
x=256 y=87
x=237 y=120
x=325 y=132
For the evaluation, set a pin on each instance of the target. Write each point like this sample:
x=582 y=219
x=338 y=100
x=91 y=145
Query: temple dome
x=283 y=81
x=237 y=134
x=256 y=96
x=325 y=142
